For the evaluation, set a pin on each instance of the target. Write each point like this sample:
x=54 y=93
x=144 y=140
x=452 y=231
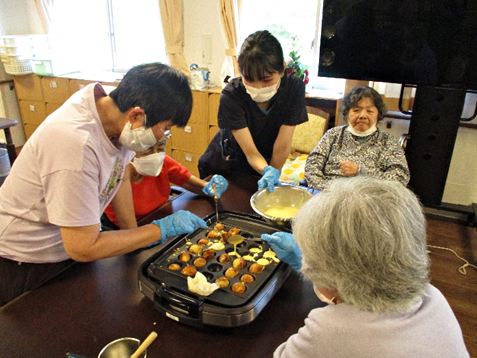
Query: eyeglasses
x=166 y=133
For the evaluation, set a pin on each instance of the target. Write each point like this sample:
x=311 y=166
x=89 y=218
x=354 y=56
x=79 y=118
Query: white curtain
x=228 y=14
x=173 y=27
x=45 y=10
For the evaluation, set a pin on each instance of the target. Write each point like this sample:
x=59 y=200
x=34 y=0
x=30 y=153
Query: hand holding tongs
x=216 y=199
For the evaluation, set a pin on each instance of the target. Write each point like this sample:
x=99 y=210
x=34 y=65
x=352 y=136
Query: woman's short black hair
x=260 y=55
x=162 y=91
x=357 y=94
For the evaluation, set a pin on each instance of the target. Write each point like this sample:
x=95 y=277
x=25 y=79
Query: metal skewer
x=216 y=199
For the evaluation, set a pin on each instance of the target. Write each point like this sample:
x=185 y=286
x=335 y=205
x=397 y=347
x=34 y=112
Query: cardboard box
x=193 y=137
x=32 y=112
x=55 y=89
x=28 y=87
x=187 y=159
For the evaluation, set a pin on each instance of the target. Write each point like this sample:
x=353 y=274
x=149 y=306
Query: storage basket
x=16 y=65
x=21 y=48
x=21 y=40
x=15 y=50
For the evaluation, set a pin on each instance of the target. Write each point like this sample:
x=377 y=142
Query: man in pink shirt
x=72 y=167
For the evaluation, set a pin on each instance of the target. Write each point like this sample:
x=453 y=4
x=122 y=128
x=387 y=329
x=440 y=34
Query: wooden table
x=92 y=304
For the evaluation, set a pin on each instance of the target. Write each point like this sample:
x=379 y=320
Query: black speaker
x=432 y=132
x=428 y=43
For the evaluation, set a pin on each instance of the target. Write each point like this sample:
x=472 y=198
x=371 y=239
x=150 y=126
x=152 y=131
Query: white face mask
x=325 y=299
x=263 y=94
x=367 y=132
x=322 y=297
x=149 y=165
x=137 y=140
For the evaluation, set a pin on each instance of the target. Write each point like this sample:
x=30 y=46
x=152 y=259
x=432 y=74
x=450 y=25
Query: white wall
x=9 y=109
x=203 y=17
x=461 y=185
x=17 y=17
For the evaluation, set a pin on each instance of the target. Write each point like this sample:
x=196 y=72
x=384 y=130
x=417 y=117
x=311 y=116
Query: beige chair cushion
x=308 y=134
x=306 y=137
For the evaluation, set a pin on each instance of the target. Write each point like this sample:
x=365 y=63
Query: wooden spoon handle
x=144 y=345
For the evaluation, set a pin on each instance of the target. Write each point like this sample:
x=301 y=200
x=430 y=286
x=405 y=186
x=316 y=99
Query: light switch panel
x=206 y=43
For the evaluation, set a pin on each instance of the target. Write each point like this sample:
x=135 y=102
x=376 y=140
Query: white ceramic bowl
x=280 y=207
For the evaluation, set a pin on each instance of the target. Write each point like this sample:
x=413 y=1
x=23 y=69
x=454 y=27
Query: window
x=107 y=35
x=138 y=36
x=295 y=25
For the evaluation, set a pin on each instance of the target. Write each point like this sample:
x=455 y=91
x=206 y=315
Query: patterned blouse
x=378 y=155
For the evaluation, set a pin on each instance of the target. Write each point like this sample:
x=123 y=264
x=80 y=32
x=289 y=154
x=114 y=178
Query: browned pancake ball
x=247 y=278
x=239 y=287
x=174 y=266
x=225 y=236
x=231 y=272
x=184 y=257
x=195 y=249
x=213 y=234
x=256 y=268
x=203 y=242
x=224 y=258
x=234 y=231
x=200 y=262
x=208 y=254
x=189 y=270
x=239 y=263
x=222 y=282
x=219 y=227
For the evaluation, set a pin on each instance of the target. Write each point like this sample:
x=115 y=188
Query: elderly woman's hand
x=285 y=247
x=349 y=168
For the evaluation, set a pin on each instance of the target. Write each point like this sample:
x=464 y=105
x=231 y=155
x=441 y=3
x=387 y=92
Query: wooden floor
x=459 y=289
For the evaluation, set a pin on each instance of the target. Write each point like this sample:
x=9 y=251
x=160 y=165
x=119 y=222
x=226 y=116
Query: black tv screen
x=415 y=42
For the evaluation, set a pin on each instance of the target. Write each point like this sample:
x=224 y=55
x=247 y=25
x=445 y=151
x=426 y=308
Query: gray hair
x=366 y=238
x=353 y=97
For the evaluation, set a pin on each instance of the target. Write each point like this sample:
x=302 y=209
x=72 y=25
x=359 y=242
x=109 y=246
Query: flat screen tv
x=414 y=42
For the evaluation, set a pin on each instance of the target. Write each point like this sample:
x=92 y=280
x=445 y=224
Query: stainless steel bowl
x=121 y=348
x=279 y=207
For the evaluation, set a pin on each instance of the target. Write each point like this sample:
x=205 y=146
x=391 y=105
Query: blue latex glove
x=221 y=184
x=270 y=177
x=182 y=222
x=286 y=248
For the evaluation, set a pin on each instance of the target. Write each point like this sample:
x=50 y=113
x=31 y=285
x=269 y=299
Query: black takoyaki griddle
x=169 y=291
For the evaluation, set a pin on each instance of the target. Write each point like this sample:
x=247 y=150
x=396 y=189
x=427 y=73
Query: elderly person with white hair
x=358 y=148
x=364 y=249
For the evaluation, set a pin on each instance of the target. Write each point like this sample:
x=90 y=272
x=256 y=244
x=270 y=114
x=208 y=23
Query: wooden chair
x=308 y=134
x=5 y=124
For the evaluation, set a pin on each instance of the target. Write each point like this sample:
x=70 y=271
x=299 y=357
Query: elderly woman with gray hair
x=364 y=249
x=358 y=148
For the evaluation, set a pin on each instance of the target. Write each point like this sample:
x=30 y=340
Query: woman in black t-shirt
x=257 y=115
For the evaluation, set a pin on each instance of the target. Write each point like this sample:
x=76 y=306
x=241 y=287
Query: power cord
x=462 y=269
